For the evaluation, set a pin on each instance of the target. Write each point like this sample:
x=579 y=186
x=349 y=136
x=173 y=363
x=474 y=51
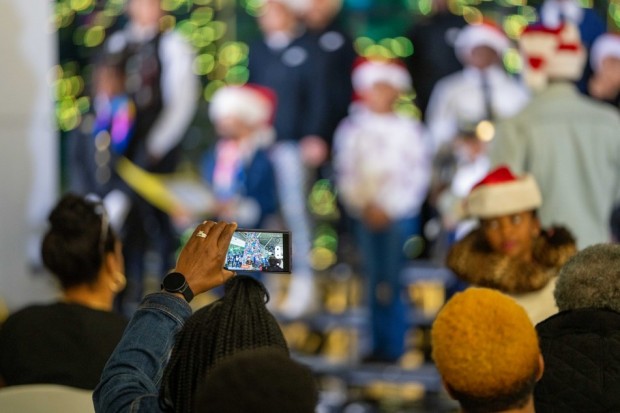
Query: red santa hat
x=251 y=103
x=367 y=72
x=486 y=33
x=606 y=45
x=551 y=53
x=502 y=193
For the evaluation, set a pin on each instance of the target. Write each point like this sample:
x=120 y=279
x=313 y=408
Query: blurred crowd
x=502 y=177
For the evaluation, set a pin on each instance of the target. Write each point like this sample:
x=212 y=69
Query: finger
x=216 y=231
x=228 y=274
x=203 y=227
x=197 y=240
x=224 y=240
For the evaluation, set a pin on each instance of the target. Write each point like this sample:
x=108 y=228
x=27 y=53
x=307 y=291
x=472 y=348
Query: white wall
x=29 y=146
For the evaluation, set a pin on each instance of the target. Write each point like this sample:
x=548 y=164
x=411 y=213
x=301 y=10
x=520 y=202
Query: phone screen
x=259 y=250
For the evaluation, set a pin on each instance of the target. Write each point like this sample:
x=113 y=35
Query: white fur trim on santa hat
x=497 y=199
x=241 y=102
x=371 y=72
x=297 y=6
x=482 y=34
x=606 y=45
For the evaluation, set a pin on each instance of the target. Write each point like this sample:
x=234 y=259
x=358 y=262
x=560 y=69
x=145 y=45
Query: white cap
x=370 y=72
x=251 y=103
x=606 y=45
x=480 y=34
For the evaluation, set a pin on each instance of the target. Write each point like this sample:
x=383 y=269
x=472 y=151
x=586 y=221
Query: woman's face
x=512 y=235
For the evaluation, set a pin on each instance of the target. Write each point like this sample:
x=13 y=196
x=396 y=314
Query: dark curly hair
x=257 y=381
x=238 y=321
x=77 y=240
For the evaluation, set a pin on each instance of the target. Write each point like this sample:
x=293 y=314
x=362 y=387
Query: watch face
x=174 y=281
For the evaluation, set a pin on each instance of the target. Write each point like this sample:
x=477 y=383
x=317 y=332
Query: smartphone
x=259 y=250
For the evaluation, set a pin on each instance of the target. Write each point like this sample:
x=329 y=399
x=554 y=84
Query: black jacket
x=581 y=349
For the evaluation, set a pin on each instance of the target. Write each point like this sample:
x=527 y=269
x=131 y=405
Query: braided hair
x=237 y=321
x=77 y=240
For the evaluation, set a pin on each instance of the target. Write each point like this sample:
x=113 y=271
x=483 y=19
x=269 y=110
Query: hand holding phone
x=259 y=250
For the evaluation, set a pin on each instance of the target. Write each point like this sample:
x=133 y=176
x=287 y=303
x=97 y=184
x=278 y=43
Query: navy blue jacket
x=297 y=74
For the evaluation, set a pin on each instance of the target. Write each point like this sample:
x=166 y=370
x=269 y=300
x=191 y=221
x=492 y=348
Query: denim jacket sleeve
x=131 y=378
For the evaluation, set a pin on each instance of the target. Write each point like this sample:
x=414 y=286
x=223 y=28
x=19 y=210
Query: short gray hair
x=590 y=279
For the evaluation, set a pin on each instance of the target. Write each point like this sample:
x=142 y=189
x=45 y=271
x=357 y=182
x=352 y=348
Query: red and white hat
x=502 y=193
x=606 y=45
x=368 y=72
x=252 y=103
x=486 y=33
x=551 y=53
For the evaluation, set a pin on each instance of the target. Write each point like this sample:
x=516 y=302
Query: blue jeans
x=383 y=260
x=132 y=376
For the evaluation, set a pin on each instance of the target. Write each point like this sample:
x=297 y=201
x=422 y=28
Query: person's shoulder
x=171 y=41
x=593 y=321
x=26 y=317
x=603 y=107
x=34 y=310
x=451 y=84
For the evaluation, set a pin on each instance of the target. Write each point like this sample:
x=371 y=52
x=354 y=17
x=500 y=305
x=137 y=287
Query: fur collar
x=472 y=260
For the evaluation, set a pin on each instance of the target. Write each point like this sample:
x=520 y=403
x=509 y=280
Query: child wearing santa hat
x=238 y=169
x=483 y=90
x=382 y=167
x=509 y=251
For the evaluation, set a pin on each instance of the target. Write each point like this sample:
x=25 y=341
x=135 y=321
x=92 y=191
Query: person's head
x=273 y=261
x=257 y=381
x=321 y=13
x=486 y=350
x=605 y=62
x=506 y=208
x=145 y=13
x=379 y=83
x=551 y=55
x=109 y=79
x=238 y=321
x=481 y=45
x=590 y=279
x=80 y=247
x=281 y=16
x=240 y=111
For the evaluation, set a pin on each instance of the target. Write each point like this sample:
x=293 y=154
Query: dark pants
x=383 y=260
x=146 y=229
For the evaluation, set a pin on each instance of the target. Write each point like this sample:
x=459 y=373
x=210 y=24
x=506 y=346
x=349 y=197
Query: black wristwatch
x=175 y=282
